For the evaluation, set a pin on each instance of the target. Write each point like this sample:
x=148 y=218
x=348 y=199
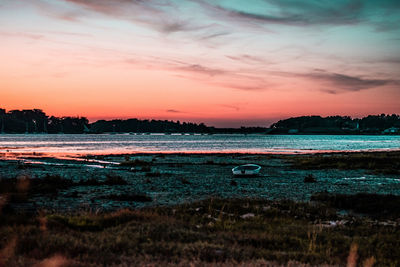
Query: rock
x=184 y=181
x=247 y=215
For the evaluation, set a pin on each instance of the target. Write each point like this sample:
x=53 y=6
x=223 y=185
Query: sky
x=227 y=63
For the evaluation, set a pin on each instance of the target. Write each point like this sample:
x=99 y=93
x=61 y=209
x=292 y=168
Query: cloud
x=215 y=35
x=174 y=111
x=288 y=12
x=246 y=80
x=250 y=86
x=70 y=33
x=250 y=59
x=228 y=66
x=304 y=13
x=234 y=79
x=27 y=35
x=391 y=60
x=169 y=16
x=236 y=108
x=162 y=16
x=54 y=10
x=334 y=83
x=202 y=70
x=342 y=82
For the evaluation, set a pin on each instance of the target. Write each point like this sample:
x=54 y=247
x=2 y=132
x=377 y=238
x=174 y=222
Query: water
x=126 y=143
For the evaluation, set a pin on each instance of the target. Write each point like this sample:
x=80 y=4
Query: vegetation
x=214 y=232
x=22 y=188
x=376 y=162
x=150 y=126
x=372 y=124
x=129 y=197
x=153 y=174
x=34 y=121
x=113 y=179
x=377 y=206
x=310 y=179
x=135 y=163
x=21 y=185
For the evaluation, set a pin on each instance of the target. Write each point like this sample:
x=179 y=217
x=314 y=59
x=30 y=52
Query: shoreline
x=80 y=155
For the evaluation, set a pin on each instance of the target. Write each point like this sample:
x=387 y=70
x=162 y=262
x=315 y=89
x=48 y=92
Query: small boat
x=246 y=170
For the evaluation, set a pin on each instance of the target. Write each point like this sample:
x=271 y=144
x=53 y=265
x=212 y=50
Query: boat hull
x=246 y=170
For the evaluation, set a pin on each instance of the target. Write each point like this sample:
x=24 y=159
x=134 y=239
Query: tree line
x=371 y=124
x=36 y=121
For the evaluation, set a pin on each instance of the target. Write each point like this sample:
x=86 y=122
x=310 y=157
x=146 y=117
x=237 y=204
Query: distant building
x=293 y=131
x=2 y=112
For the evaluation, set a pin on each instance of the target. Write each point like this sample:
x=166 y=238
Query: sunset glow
x=224 y=63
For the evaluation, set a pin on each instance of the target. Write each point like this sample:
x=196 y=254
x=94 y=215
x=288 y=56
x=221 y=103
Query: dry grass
x=376 y=162
x=373 y=205
x=213 y=232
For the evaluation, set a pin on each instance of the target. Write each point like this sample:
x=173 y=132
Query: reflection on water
x=125 y=143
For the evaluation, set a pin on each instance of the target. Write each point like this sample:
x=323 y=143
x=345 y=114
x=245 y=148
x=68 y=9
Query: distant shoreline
x=36 y=121
x=221 y=133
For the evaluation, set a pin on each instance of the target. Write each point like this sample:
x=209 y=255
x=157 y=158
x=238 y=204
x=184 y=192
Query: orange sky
x=224 y=69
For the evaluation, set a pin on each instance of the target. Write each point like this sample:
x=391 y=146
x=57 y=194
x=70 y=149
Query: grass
x=52 y=183
x=153 y=174
x=376 y=162
x=212 y=231
x=26 y=166
x=25 y=184
x=90 y=182
x=374 y=205
x=129 y=197
x=113 y=179
x=185 y=181
x=134 y=163
x=310 y=179
x=22 y=188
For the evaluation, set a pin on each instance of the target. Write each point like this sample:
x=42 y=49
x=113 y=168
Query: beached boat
x=246 y=170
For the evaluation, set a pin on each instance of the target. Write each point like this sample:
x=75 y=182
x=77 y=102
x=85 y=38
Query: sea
x=199 y=143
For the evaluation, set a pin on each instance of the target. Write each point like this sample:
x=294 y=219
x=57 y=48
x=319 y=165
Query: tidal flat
x=86 y=182
x=179 y=208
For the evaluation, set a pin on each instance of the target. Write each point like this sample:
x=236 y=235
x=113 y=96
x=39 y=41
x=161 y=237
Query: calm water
x=125 y=143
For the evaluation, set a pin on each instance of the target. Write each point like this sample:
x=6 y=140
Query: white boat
x=246 y=170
